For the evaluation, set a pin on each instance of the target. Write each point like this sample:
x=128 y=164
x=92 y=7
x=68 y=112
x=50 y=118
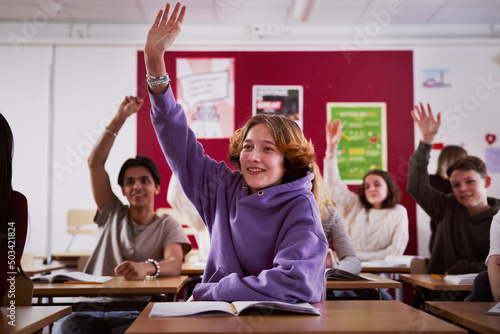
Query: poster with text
x=205 y=89
x=363 y=145
x=281 y=100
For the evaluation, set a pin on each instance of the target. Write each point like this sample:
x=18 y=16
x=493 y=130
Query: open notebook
x=224 y=308
x=75 y=276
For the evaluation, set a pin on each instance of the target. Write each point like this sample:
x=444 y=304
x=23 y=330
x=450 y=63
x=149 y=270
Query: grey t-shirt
x=123 y=240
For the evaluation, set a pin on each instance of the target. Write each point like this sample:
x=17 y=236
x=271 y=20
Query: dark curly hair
x=290 y=140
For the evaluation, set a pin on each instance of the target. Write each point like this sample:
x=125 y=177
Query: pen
x=437 y=276
x=233 y=308
x=343 y=135
x=73 y=282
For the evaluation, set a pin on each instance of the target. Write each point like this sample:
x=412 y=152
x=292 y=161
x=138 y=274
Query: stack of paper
x=462 y=278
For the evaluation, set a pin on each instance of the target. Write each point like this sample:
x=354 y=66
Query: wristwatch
x=157 y=268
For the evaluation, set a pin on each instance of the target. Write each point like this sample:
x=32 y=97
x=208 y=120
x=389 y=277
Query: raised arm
x=344 y=199
x=425 y=121
x=99 y=178
x=418 y=184
x=161 y=35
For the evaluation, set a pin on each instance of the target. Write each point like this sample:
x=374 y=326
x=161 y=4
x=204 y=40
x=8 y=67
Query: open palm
x=425 y=121
x=165 y=30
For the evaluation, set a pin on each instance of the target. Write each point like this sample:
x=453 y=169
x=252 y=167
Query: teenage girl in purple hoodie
x=266 y=238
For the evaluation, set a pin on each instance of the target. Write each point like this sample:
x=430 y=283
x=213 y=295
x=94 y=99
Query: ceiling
x=252 y=12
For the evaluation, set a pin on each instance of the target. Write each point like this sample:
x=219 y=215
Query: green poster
x=363 y=146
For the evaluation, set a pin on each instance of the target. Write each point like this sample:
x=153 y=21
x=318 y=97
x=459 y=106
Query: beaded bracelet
x=113 y=133
x=157 y=268
x=154 y=81
x=158 y=78
x=157 y=82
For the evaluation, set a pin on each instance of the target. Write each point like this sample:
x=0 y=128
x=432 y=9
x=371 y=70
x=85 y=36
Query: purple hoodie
x=264 y=246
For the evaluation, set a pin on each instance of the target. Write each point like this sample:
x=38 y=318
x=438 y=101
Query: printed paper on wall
x=205 y=89
x=281 y=100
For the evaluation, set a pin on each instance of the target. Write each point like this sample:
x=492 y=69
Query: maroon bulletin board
x=327 y=76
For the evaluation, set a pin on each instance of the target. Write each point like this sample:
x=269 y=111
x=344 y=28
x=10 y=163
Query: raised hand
x=428 y=126
x=333 y=135
x=129 y=106
x=164 y=30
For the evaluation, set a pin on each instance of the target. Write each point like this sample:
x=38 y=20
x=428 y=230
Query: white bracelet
x=328 y=155
x=157 y=268
x=113 y=133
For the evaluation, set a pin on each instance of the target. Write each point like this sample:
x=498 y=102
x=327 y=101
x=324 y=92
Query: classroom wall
x=57 y=111
x=470 y=109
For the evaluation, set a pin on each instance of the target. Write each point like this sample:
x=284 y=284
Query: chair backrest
x=81 y=222
x=418 y=265
x=177 y=216
x=27 y=260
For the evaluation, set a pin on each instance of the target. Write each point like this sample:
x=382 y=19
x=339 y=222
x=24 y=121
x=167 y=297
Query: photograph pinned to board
x=363 y=145
x=205 y=89
x=437 y=77
x=279 y=100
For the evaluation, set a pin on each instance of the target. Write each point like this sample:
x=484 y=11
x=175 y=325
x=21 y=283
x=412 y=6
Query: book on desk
x=335 y=274
x=391 y=261
x=220 y=308
x=461 y=278
x=72 y=277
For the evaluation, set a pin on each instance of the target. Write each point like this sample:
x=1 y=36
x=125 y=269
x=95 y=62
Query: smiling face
x=139 y=187
x=376 y=190
x=262 y=164
x=469 y=189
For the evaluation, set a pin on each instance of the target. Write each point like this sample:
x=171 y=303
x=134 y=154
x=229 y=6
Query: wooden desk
x=434 y=283
x=70 y=256
x=116 y=286
x=379 y=283
x=398 y=269
x=43 y=268
x=383 y=316
x=30 y=319
x=189 y=269
x=467 y=314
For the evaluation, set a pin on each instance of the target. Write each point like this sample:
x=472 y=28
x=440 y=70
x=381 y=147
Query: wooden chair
x=80 y=222
x=418 y=265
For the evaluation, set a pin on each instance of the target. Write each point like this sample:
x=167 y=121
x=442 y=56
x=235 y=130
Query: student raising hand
x=426 y=123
